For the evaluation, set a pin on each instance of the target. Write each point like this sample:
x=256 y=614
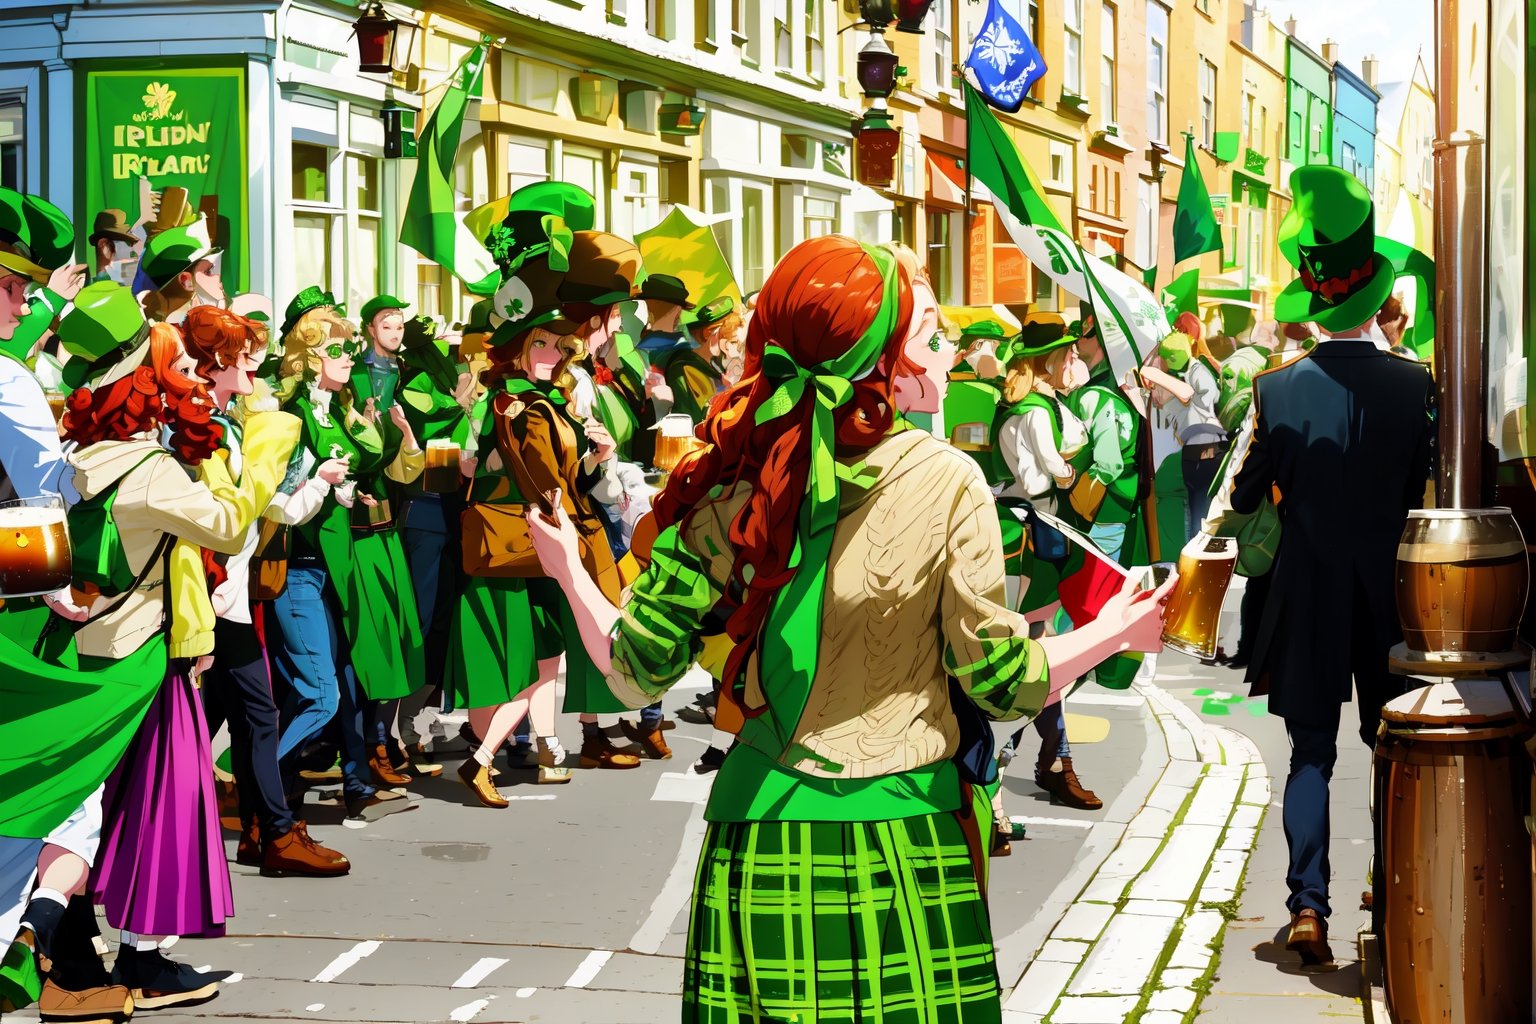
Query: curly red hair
x=154 y=394
x=816 y=304
x=215 y=337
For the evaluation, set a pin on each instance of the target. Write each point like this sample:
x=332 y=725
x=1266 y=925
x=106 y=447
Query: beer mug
x=442 y=475
x=1193 y=621
x=58 y=403
x=373 y=518
x=34 y=547
x=674 y=439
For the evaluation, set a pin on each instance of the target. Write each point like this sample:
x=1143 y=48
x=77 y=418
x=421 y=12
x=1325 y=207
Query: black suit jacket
x=1345 y=435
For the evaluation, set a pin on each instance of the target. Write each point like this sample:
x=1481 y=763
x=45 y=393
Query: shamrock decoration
x=513 y=300
x=501 y=242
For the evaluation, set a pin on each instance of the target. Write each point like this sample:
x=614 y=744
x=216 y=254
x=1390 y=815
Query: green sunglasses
x=337 y=349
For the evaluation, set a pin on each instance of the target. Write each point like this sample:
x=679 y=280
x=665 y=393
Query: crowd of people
x=325 y=533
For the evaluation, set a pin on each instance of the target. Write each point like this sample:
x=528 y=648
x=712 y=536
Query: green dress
x=504 y=627
x=368 y=571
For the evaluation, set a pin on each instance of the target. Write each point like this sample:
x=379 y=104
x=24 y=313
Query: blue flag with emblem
x=1004 y=60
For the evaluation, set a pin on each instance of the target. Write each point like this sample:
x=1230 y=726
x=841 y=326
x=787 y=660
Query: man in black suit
x=1343 y=434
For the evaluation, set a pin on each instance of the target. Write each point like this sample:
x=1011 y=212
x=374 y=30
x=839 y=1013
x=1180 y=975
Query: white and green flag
x=432 y=225
x=1130 y=320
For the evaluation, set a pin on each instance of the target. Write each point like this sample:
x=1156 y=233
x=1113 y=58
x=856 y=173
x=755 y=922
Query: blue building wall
x=1354 y=125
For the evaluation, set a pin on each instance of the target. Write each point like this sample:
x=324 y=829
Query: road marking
x=524 y=993
x=469 y=1011
x=351 y=958
x=478 y=973
x=1106 y=700
x=673 y=897
x=314 y=1007
x=588 y=969
x=529 y=796
x=1054 y=822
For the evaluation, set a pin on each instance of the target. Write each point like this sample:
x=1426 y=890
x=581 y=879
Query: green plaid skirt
x=839 y=923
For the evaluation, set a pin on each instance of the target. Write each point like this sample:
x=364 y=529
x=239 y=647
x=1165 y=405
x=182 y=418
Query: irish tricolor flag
x=431 y=225
x=1131 y=321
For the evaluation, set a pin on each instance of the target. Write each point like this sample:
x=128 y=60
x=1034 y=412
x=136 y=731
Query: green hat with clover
x=536 y=220
x=528 y=299
x=313 y=297
x=1329 y=236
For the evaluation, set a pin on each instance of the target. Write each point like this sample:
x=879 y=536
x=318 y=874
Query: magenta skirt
x=161 y=869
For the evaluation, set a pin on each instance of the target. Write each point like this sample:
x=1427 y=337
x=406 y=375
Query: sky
x=1394 y=30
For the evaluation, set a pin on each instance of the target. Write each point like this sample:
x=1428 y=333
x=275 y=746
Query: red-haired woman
x=861 y=566
x=161 y=868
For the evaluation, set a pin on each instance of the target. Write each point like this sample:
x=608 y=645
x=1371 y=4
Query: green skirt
x=840 y=923
x=502 y=629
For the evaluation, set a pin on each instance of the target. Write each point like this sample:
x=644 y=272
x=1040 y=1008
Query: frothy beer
x=442 y=475
x=1194 y=611
x=34 y=550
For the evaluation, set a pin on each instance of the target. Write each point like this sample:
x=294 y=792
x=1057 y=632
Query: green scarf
x=791 y=637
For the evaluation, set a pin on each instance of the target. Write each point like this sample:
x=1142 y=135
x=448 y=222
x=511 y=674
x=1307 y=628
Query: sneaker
x=99 y=1003
x=478 y=778
x=709 y=762
x=20 y=982
x=157 y=981
x=697 y=715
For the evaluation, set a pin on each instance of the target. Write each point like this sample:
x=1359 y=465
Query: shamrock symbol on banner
x=158 y=98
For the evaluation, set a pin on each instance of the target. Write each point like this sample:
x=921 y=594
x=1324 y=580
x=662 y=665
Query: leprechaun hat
x=1329 y=235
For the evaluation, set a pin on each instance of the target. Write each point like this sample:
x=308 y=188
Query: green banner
x=180 y=127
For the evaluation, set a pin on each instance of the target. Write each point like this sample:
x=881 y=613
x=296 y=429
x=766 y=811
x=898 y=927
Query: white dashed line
x=1052 y=822
x=524 y=993
x=589 y=967
x=469 y=1011
x=478 y=973
x=314 y=1007
x=347 y=961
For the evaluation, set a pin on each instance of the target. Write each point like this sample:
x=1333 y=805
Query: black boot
x=157 y=981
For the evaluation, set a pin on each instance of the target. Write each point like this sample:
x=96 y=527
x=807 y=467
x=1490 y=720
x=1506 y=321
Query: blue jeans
x=312 y=658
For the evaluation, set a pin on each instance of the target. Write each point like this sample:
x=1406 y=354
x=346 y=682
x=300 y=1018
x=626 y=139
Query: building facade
x=1354 y=121
x=1309 y=104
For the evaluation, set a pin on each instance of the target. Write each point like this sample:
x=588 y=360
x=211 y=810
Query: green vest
x=1000 y=472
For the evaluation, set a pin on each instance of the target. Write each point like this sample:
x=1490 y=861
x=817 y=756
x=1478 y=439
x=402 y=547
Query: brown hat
x=603 y=269
x=112 y=224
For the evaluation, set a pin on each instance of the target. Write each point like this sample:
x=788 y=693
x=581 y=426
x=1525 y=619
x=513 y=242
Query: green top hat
x=378 y=304
x=105 y=334
x=1040 y=337
x=536 y=220
x=603 y=269
x=666 y=288
x=1329 y=235
x=983 y=330
x=529 y=299
x=36 y=237
x=177 y=249
x=308 y=299
x=710 y=313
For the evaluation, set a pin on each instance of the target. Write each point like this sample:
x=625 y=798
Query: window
x=1061 y=165
x=783 y=35
x=943 y=53
x=1072 y=41
x=704 y=24
x=1207 y=104
x=1157 y=72
x=1262 y=137
x=1114 y=197
x=337 y=200
x=527 y=163
x=1109 y=44
x=745 y=18
x=1148 y=201
x=637 y=205
x=814 y=58
x=1033 y=24
x=1317 y=137
x=1349 y=162
x=820 y=215
x=1045 y=289
x=940 y=258
x=661 y=18
x=754 y=226
x=1093 y=188
x=587 y=170
x=12 y=143
x=1248 y=119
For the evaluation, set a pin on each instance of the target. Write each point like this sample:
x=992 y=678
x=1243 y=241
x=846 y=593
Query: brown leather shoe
x=294 y=853
x=1064 y=786
x=248 y=851
x=384 y=775
x=1309 y=937
x=478 y=778
x=652 y=743
x=599 y=752
x=324 y=852
x=107 y=1003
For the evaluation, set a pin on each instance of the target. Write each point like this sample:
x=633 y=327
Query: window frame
x=1208 y=86
x=1109 y=61
x=1072 y=58
x=1157 y=87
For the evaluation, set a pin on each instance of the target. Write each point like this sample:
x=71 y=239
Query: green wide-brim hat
x=177 y=249
x=105 y=334
x=712 y=313
x=983 y=330
x=1039 y=338
x=1329 y=235
x=378 y=304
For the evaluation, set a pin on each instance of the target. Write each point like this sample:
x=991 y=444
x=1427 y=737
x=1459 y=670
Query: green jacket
x=1113 y=431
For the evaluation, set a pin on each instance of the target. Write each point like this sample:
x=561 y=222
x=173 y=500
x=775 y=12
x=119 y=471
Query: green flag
x=1183 y=294
x=1194 y=222
x=431 y=225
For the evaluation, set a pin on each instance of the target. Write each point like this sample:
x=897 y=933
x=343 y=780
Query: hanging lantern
x=910 y=14
x=680 y=118
x=876 y=13
x=877 y=144
x=375 y=41
x=877 y=66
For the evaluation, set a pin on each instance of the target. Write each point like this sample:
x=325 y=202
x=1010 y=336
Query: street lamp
x=375 y=32
x=877 y=65
x=877 y=143
x=910 y=15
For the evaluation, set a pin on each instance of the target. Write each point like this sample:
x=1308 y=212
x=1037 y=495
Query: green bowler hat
x=105 y=334
x=983 y=330
x=1039 y=337
x=35 y=236
x=177 y=249
x=378 y=304
x=1329 y=235
x=712 y=313
x=310 y=298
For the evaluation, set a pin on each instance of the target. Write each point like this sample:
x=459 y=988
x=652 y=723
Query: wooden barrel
x=1462 y=578
x=1453 y=887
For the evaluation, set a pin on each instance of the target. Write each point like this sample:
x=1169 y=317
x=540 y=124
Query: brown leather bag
x=269 y=563
x=496 y=541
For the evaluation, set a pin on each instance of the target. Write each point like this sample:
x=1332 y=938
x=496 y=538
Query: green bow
x=792 y=633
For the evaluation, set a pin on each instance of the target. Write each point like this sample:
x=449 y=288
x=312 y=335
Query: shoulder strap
x=512 y=452
x=162 y=553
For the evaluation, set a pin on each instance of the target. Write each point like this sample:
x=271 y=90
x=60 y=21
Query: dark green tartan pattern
x=878 y=922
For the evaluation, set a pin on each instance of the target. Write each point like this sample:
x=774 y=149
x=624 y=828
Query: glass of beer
x=372 y=518
x=442 y=474
x=674 y=439
x=57 y=404
x=34 y=547
x=1193 y=621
